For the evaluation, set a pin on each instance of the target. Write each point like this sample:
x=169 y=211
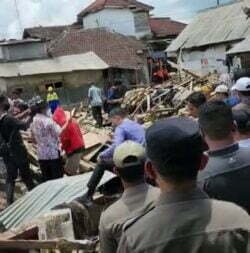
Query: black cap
x=173 y=139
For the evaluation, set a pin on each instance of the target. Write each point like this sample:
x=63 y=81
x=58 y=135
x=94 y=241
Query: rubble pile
x=154 y=102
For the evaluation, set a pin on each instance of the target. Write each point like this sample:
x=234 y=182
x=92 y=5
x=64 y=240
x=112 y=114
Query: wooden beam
x=58 y=244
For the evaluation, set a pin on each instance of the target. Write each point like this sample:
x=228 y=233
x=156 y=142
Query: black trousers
x=97 y=176
x=51 y=169
x=97 y=114
x=13 y=168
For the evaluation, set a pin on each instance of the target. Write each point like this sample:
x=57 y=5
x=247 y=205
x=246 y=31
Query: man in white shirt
x=95 y=101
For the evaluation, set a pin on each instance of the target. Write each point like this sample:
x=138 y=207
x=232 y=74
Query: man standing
x=13 y=151
x=138 y=196
x=95 y=101
x=184 y=218
x=52 y=99
x=45 y=133
x=125 y=130
x=227 y=174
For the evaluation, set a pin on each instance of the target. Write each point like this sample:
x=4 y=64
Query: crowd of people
x=198 y=168
x=185 y=178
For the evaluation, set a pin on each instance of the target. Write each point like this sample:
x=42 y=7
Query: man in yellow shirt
x=52 y=99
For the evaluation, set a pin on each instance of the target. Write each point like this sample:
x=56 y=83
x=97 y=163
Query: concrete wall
x=24 y=51
x=118 y=20
x=3 y=85
x=74 y=89
x=204 y=61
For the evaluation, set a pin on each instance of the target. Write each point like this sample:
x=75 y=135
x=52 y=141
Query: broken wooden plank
x=88 y=246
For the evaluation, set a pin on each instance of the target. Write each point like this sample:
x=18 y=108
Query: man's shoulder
x=220 y=216
x=228 y=216
x=113 y=212
x=217 y=166
x=120 y=211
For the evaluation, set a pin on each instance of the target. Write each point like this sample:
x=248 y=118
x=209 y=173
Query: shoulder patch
x=133 y=220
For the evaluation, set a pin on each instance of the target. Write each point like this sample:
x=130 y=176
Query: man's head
x=194 y=101
x=4 y=104
x=216 y=121
x=221 y=92
x=129 y=160
x=50 y=89
x=242 y=86
x=242 y=120
x=40 y=106
x=117 y=115
x=16 y=93
x=174 y=150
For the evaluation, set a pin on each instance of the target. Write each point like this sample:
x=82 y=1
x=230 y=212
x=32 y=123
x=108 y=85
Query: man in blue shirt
x=125 y=130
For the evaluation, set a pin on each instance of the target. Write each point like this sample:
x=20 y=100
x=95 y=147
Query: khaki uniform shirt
x=241 y=106
x=134 y=200
x=188 y=223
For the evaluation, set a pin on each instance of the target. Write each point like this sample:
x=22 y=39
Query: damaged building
x=204 y=43
x=115 y=56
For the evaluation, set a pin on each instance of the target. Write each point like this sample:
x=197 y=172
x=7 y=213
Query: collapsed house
x=116 y=57
x=203 y=45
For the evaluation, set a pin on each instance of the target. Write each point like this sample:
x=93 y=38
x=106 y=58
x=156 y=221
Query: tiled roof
x=101 y=4
x=164 y=27
x=116 y=50
x=46 y=32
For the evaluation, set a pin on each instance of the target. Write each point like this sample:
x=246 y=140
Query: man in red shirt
x=71 y=140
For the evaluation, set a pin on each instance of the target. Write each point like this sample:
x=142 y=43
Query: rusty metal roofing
x=46 y=196
x=222 y=24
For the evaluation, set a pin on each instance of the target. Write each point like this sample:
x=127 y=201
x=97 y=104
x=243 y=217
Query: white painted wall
x=117 y=20
x=205 y=61
x=1 y=53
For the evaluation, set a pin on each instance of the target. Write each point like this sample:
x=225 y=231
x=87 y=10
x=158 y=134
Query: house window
x=141 y=21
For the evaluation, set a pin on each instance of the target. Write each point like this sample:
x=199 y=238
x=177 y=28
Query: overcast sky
x=58 y=12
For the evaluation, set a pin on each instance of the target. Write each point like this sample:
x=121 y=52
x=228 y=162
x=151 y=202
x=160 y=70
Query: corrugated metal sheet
x=241 y=47
x=222 y=24
x=46 y=196
x=88 y=61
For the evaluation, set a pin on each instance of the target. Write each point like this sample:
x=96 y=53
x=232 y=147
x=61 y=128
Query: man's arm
x=119 y=137
x=107 y=245
x=18 y=124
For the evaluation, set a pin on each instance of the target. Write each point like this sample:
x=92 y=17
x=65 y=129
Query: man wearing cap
x=242 y=87
x=221 y=93
x=184 y=218
x=138 y=196
x=227 y=174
